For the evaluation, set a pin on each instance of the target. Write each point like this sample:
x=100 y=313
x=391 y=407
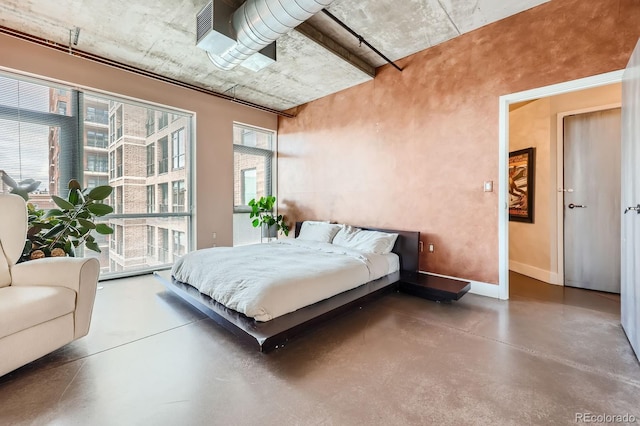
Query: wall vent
x=214 y=31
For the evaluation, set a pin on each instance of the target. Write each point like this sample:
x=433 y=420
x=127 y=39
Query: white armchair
x=45 y=303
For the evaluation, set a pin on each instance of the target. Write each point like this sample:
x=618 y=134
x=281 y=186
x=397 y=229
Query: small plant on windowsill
x=59 y=231
x=262 y=215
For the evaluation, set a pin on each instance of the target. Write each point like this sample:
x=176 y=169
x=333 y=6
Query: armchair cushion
x=77 y=274
x=52 y=271
x=25 y=307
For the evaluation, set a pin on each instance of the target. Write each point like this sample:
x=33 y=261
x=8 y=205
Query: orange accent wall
x=411 y=150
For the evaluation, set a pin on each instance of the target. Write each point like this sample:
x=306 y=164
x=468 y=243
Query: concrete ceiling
x=159 y=36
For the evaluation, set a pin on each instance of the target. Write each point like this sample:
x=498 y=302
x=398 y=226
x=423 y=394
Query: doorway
x=504 y=104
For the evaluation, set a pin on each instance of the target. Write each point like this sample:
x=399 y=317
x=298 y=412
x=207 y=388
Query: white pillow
x=344 y=235
x=318 y=231
x=363 y=240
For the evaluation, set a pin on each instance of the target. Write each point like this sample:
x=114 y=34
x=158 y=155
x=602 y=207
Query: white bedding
x=265 y=281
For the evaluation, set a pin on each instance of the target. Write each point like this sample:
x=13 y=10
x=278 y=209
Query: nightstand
x=432 y=287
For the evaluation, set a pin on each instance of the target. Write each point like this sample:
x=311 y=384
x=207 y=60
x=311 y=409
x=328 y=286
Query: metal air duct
x=258 y=23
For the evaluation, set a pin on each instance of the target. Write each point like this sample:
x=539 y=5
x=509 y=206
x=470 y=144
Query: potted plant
x=58 y=232
x=262 y=215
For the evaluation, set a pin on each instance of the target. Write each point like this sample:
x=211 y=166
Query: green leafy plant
x=59 y=231
x=262 y=214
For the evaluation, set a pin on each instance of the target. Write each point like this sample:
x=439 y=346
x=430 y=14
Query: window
x=178 y=196
x=177 y=139
x=163 y=154
x=253 y=161
x=112 y=165
x=249 y=188
x=101 y=163
x=163 y=197
x=36 y=141
x=96 y=138
x=119 y=161
x=151 y=122
x=151 y=241
x=179 y=244
x=174 y=117
x=151 y=159
x=163 y=120
x=248 y=137
x=112 y=130
x=151 y=198
x=91 y=163
x=94 y=181
x=97 y=114
x=119 y=124
x=96 y=163
x=163 y=245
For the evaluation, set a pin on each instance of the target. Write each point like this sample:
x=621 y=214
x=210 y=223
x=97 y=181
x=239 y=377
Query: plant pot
x=269 y=231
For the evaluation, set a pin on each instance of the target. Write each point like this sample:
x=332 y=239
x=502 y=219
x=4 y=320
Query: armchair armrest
x=78 y=274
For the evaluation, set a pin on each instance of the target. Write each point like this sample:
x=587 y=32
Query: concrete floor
x=152 y=360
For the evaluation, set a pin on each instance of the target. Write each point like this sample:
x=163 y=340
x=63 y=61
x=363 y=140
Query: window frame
x=270 y=161
x=74 y=130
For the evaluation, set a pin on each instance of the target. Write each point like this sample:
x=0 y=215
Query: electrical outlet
x=215 y=235
x=431 y=248
x=488 y=186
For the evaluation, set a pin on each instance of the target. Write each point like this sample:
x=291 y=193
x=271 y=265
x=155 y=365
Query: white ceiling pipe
x=259 y=23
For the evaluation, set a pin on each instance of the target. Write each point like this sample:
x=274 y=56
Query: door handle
x=636 y=208
x=577 y=206
x=565 y=190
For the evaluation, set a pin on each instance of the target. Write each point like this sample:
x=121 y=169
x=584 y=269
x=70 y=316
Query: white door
x=592 y=201
x=630 y=248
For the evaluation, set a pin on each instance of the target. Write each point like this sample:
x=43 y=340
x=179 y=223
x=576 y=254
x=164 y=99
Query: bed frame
x=269 y=335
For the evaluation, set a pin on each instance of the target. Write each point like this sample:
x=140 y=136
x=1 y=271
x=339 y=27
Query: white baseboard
x=533 y=272
x=477 y=287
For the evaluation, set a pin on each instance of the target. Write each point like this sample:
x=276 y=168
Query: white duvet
x=265 y=281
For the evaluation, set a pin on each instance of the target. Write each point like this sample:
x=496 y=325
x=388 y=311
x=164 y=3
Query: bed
x=267 y=320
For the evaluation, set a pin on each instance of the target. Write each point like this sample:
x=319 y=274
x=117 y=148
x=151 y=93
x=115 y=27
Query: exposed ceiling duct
x=257 y=24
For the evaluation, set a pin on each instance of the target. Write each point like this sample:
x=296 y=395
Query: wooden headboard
x=407 y=246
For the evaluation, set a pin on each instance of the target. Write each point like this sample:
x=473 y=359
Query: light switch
x=488 y=186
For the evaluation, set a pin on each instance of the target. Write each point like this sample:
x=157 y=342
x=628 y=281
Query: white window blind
x=30 y=122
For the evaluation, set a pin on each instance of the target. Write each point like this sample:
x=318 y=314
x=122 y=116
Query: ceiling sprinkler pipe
x=259 y=23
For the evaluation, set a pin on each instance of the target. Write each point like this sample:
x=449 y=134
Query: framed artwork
x=521 y=182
